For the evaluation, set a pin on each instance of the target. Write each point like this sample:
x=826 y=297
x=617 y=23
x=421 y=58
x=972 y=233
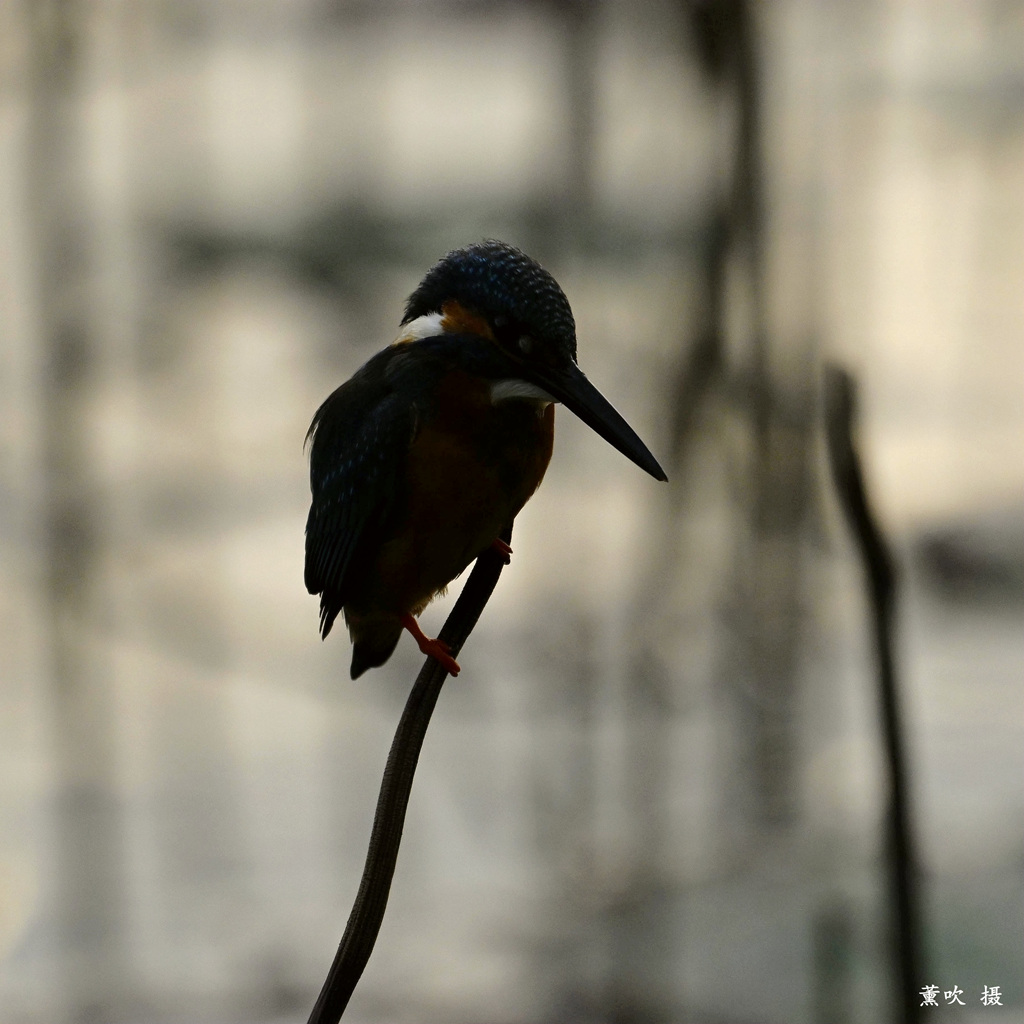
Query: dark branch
x=840 y=421
x=372 y=899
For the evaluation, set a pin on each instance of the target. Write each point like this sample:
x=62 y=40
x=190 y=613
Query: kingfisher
x=422 y=459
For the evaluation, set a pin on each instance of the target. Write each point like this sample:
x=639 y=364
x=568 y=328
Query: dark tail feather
x=374 y=650
x=328 y=613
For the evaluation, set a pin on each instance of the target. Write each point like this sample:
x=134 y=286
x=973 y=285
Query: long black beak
x=569 y=385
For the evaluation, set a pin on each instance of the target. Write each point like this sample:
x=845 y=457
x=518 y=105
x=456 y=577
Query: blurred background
x=656 y=792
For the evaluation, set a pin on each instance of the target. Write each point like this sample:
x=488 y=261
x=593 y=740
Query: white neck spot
x=428 y=326
x=503 y=390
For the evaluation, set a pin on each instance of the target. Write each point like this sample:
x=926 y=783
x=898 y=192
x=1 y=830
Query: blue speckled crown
x=496 y=279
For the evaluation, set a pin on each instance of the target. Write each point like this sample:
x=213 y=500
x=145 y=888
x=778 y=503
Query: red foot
x=436 y=649
x=503 y=549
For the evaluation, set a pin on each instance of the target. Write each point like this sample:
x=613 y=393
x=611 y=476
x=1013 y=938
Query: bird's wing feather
x=360 y=439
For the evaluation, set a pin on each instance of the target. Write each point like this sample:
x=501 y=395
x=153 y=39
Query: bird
x=429 y=451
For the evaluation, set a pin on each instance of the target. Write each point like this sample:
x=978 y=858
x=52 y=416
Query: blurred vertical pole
x=729 y=46
x=781 y=424
x=87 y=832
x=778 y=392
x=880 y=578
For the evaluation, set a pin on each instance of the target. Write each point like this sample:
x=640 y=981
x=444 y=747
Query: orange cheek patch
x=456 y=319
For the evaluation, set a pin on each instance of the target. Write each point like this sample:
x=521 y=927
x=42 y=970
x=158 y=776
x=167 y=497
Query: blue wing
x=360 y=439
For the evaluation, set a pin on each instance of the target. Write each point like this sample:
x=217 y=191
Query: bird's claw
x=441 y=652
x=431 y=646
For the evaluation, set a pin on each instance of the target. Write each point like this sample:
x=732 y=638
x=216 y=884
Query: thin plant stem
x=386 y=836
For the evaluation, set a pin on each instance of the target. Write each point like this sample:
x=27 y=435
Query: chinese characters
x=991 y=995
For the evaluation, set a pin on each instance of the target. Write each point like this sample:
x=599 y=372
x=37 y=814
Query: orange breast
x=470 y=470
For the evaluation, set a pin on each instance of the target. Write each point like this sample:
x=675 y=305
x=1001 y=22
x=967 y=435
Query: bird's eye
x=525 y=344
